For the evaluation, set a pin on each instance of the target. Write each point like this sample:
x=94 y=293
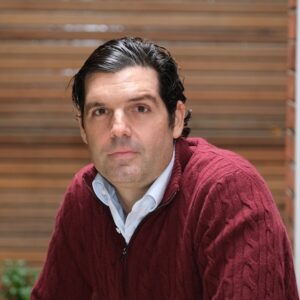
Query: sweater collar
x=182 y=155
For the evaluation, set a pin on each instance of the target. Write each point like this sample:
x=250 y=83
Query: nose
x=119 y=126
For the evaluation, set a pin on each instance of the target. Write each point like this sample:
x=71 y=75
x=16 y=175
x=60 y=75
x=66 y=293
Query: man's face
x=126 y=126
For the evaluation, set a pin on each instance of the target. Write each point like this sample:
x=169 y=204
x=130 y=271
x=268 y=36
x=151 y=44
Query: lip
x=126 y=153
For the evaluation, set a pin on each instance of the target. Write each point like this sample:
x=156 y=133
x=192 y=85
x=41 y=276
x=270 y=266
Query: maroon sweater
x=217 y=234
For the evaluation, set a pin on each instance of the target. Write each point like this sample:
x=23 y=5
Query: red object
x=217 y=234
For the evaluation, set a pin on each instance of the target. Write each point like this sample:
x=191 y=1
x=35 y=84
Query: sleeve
x=243 y=251
x=61 y=277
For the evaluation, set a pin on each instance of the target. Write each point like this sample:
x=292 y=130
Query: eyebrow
x=93 y=104
x=144 y=97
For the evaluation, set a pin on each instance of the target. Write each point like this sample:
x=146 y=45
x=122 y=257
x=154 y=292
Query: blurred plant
x=16 y=280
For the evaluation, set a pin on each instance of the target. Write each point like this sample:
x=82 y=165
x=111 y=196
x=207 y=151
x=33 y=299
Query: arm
x=243 y=250
x=61 y=277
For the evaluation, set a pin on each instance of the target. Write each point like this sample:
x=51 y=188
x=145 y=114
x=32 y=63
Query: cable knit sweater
x=217 y=234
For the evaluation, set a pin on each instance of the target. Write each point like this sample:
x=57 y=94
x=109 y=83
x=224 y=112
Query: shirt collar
x=157 y=189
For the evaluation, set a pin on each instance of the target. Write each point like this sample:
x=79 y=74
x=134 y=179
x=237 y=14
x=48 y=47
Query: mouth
x=126 y=153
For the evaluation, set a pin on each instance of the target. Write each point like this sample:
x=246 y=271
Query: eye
x=100 y=111
x=142 y=109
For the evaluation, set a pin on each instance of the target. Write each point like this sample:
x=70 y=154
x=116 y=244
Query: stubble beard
x=124 y=173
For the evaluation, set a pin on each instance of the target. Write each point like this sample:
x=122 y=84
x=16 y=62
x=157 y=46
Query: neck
x=128 y=197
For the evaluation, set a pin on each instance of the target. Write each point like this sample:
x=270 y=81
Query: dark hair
x=115 y=55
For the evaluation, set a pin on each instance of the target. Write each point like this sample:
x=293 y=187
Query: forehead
x=127 y=82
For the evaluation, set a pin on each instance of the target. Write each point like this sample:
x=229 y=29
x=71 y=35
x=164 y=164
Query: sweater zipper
x=125 y=250
x=124 y=270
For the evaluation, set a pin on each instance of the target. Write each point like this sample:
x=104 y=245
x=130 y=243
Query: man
x=159 y=216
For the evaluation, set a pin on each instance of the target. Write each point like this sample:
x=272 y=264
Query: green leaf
x=16 y=280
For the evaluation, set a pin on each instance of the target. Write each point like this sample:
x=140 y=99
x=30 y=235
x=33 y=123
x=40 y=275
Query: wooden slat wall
x=233 y=59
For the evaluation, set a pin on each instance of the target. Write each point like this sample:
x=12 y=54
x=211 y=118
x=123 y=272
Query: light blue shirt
x=152 y=198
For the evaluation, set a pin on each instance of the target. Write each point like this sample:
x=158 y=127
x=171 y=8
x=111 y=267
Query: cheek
x=159 y=139
x=95 y=139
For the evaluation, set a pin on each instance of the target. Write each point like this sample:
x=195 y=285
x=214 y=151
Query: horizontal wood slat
x=34 y=257
x=43 y=152
x=22 y=198
x=190 y=49
x=157 y=20
x=156 y=6
x=232 y=58
x=207 y=35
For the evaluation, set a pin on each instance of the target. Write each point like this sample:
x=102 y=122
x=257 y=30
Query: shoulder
x=76 y=210
x=79 y=190
x=222 y=181
x=221 y=178
x=82 y=179
x=209 y=163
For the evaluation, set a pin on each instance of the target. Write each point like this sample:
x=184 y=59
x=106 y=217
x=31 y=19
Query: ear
x=179 y=119
x=82 y=130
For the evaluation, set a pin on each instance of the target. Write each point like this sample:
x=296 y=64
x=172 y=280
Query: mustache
x=122 y=142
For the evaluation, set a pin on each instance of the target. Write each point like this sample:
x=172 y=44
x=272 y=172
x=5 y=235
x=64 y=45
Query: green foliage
x=16 y=280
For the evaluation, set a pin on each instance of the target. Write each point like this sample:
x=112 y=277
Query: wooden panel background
x=233 y=59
